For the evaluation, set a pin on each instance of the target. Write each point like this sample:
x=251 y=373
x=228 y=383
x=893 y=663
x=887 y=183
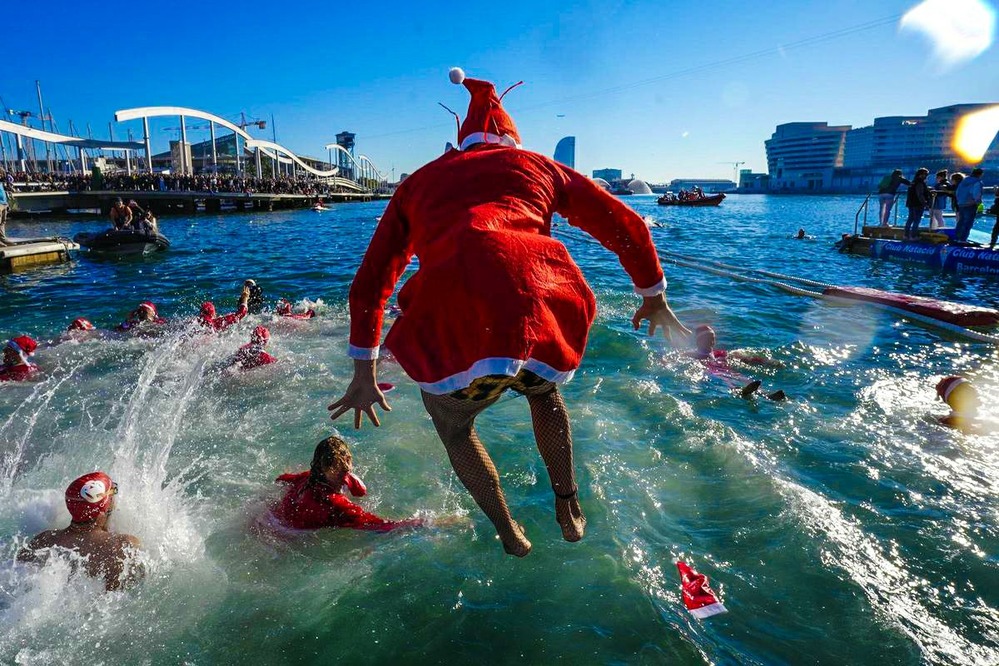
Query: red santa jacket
x=17 y=373
x=306 y=508
x=223 y=322
x=252 y=356
x=494 y=292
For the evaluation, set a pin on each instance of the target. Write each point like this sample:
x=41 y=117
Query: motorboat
x=123 y=242
x=704 y=200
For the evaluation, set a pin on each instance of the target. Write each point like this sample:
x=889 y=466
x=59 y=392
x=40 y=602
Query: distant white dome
x=602 y=183
x=639 y=187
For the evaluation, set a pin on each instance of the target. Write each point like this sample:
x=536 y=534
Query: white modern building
x=802 y=156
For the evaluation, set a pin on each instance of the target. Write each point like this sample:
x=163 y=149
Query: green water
x=842 y=527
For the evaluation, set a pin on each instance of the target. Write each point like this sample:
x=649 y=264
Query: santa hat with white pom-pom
x=700 y=601
x=486 y=120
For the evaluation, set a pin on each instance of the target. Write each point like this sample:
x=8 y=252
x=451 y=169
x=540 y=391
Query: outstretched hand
x=361 y=395
x=657 y=312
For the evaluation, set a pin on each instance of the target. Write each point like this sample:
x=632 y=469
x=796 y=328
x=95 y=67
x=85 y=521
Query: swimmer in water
x=142 y=320
x=962 y=398
x=16 y=367
x=801 y=235
x=255 y=303
x=91 y=501
x=284 y=310
x=315 y=499
x=252 y=355
x=81 y=324
x=717 y=363
x=208 y=319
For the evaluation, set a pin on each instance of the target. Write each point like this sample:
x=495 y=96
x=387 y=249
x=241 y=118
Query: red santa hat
x=947 y=386
x=486 y=121
x=81 y=324
x=23 y=346
x=700 y=601
x=148 y=305
x=208 y=310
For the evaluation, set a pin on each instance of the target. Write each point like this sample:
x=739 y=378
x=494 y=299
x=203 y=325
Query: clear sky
x=607 y=72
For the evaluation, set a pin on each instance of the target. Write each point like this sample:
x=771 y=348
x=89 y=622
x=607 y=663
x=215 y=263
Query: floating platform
x=30 y=252
x=933 y=250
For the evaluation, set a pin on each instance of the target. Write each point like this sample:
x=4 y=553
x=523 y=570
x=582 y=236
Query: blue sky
x=379 y=69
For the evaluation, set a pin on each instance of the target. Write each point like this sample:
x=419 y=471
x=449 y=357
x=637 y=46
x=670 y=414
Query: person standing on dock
x=917 y=199
x=4 y=207
x=941 y=193
x=969 y=198
x=887 y=191
x=496 y=303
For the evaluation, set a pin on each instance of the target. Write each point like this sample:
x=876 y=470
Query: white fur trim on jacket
x=654 y=290
x=362 y=353
x=486 y=137
x=496 y=366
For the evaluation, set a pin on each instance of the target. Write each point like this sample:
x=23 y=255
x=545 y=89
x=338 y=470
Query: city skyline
x=633 y=82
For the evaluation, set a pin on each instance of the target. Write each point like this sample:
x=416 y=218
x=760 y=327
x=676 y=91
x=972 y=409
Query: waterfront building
x=802 y=156
x=750 y=182
x=810 y=157
x=346 y=141
x=565 y=151
x=610 y=175
x=706 y=184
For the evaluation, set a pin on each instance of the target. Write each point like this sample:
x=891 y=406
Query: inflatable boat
x=706 y=200
x=123 y=242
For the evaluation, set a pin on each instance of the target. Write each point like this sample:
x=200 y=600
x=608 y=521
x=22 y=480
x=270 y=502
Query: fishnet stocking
x=454 y=420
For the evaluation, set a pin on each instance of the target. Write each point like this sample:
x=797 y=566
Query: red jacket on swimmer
x=16 y=366
x=252 y=355
x=314 y=499
x=284 y=310
x=210 y=320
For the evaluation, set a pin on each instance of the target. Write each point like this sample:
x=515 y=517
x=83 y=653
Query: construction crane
x=735 y=171
x=243 y=122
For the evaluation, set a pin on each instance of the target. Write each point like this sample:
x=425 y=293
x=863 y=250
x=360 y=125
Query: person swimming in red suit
x=716 y=361
x=16 y=367
x=141 y=320
x=252 y=355
x=314 y=499
x=284 y=310
x=208 y=318
x=496 y=303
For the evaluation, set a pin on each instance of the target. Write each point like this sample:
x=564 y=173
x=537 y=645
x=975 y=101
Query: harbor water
x=844 y=526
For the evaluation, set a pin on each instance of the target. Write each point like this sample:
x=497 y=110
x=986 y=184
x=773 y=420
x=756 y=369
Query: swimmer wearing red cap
x=716 y=361
x=252 y=355
x=284 y=310
x=211 y=321
x=962 y=398
x=91 y=501
x=81 y=324
x=141 y=319
x=16 y=367
x=315 y=498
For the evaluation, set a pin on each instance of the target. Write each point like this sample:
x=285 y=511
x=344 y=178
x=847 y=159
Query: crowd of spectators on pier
x=147 y=182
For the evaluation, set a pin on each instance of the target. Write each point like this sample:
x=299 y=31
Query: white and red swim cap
x=89 y=496
x=81 y=324
x=260 y=336
x=947 y=386
x=23 y=346
x=148 y=305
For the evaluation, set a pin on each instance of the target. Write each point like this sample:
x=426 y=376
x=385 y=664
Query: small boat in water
x=123 y=242
x=706 y=200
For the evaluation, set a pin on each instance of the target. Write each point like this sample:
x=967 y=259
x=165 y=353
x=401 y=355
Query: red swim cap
x=149 y=306
x=89 y=496
x=261 y=335
x=23 y=346
x=283 y=307
x=208 y=309
x=81 y=324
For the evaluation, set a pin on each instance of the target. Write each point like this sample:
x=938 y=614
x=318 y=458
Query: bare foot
x=517 y=544
x=570 y=518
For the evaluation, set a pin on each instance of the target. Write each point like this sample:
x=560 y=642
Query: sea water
x=843 y=526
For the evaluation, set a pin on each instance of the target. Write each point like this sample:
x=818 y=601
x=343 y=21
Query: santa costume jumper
x=494 y=292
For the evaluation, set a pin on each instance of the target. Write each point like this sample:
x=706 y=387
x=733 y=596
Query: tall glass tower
x=565 y=152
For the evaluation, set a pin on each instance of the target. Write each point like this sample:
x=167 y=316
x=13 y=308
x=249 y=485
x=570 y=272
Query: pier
x=43 y=203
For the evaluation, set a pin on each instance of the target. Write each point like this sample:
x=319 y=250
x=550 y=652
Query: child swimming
x=716 y=362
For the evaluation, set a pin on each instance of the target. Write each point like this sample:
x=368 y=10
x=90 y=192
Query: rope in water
x=737 y=273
